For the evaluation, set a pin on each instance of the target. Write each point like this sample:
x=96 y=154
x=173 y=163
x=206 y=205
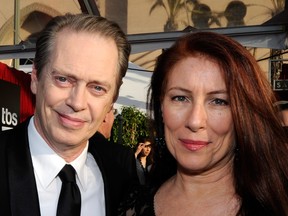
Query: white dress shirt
x=47 y=164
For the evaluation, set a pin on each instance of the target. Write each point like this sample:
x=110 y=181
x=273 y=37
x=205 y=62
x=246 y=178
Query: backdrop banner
x=9 y=105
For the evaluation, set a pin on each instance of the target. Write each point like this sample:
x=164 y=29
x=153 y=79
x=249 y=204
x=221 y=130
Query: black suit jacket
x=18 y=192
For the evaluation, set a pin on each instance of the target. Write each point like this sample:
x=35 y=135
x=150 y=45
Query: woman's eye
x=220 y=102
x=179 y=98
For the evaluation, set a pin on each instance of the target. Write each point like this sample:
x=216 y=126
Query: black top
x=139 y=203
x=143 y=172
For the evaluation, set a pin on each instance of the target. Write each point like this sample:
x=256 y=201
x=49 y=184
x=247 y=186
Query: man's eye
x=61 y=79
x=98 y=88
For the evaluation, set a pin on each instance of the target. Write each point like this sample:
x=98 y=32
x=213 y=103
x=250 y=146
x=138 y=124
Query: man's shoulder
x=98 y=137
x=14 y=132
x=14 y=139
x=20 y=127
x=99 y=141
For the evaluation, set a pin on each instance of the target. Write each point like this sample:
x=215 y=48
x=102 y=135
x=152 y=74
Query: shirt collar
x=47 y=164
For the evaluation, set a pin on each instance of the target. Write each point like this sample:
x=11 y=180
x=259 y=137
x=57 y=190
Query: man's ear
x=111 y=108
x=34 y=80
x=104 y=120
x=108 y=113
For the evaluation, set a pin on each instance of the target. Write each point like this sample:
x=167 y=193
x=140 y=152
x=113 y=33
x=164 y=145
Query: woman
x=144 y=159
x=225 y=151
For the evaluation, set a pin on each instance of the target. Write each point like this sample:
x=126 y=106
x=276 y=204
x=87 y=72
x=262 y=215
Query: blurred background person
x=144 y=159
x=121 y=154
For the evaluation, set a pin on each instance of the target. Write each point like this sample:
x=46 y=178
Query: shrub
x=129 y=126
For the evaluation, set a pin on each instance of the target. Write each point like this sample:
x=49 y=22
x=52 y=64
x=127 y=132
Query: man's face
x=75 y=91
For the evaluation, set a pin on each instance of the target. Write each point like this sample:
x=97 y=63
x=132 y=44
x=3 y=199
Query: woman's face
x=197 y=117
x=146 y=149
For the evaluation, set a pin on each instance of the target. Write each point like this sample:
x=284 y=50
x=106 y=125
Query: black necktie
x=69 y=203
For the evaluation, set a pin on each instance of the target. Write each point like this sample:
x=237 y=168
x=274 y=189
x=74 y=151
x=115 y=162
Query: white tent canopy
x=133 y=91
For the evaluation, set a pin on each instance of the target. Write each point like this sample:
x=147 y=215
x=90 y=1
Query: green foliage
x=129 y=126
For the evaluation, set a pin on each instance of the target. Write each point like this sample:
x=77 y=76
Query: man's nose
x=77 y=99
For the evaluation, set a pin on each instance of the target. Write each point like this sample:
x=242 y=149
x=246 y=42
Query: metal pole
x=16 y=28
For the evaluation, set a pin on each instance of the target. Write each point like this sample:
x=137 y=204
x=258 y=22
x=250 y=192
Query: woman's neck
x=143 y=161
x=202 y=194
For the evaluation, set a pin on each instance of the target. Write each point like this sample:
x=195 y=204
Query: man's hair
x=82 y=23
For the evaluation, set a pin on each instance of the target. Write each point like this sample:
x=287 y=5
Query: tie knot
x=67 y=174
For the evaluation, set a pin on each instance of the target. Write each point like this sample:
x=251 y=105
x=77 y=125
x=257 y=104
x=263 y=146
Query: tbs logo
x=8 y=119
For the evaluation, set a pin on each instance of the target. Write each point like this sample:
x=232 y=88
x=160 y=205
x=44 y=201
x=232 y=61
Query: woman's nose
x=196 y=117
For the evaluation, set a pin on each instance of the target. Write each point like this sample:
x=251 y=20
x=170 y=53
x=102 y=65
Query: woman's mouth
x=194 y=145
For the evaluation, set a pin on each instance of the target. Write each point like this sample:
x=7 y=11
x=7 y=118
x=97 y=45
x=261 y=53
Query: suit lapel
x=23 y=190
x=95 y=150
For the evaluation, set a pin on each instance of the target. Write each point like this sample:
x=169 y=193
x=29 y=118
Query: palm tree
x=172 y=9
x=203 y=17
x=235 y=13
x=277 y=7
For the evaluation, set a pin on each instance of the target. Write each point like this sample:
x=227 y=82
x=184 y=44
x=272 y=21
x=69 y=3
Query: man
x=78 y=68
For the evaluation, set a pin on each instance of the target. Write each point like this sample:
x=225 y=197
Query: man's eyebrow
x=55 y=72
x=73 y=76
x=96 y=82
